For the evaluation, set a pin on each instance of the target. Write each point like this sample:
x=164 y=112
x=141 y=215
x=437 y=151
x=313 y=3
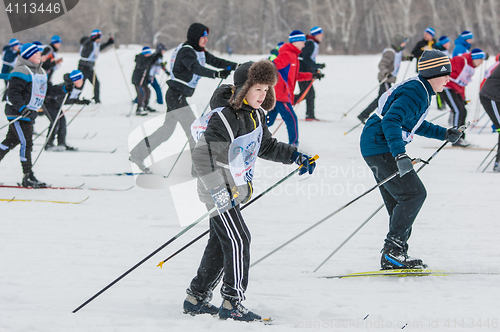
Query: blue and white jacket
x=402 y=114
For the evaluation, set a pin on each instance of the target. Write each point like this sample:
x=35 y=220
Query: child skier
x=25 y=96
x=73 y=83
x=9 y=55
x=463 y=43
x=425 y=44
x=224 y=159
x=287 y=64
x=187 y=67
x=443 y=45
x=308 y=64
x=490 y=99
x=89 y=51
x=52 y=62
x=454 y=93
x=388 y=71
x=400 y=115
x=156 y=69
x=141 y=79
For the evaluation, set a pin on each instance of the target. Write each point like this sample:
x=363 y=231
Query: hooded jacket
x=19 y=90
x=287 y=64
x=457 y=66
x=186 y=62
x=461 y=47
x=386 y=64
x=210 y=155
x=403 y=109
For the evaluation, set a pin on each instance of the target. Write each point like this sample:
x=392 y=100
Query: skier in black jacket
x=187 y=67
x=25 y=97
x=489 y=95
x=224 y=158
x=308 y=64
x=89 y=51
x=141 y=79
x=73 y=83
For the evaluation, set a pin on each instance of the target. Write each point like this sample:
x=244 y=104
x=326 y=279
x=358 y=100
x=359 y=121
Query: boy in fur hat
x=224 y=158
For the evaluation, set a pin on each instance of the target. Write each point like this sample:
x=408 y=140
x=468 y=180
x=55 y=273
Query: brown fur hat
x=251 y=73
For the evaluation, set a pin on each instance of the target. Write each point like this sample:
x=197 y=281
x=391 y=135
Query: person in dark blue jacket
x=463 y=43
x=9 y=56
x=400 y=115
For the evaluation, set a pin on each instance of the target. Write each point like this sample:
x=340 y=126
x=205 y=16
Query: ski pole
x=407 y=67
x=51 y=130
x=123 y=73
x=145 y=259
x=48 y=115
x=73 y=118
x=185 y=144
x=244 y=206
x=378 y=85
x=481 y=164
x=274 y=132
x=11 y=122
x=306 y=91
x=356 y=126
x=477 y=120
x=490 y=162
x=487 y=122
x=373 y=214
x=437 y=117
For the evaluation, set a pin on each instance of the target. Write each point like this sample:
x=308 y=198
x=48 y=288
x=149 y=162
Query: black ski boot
x=140 y=111
x=69 y=148
x=195 y=307
x=396 y=257
x=30 y=180
x=235 y=310
x=149 y=109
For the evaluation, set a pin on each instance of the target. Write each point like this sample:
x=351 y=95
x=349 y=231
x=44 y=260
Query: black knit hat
x=434 y=63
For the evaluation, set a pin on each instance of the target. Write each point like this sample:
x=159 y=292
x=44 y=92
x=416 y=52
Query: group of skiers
x=27 y=71
x=226 y=141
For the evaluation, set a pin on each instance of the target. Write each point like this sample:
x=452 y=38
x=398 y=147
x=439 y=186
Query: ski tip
x=345 y=133
x=160 y=265
x=316 y=157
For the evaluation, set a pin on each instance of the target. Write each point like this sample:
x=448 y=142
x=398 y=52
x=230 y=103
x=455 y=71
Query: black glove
x=321 y=65
x=111 y=40
x=318 y=75
x=68 y=86
x=222 y=74
x=307 y=163
x=27 y=113
x=409 y=57
x=404 y=164
x=452 y=135
x=84 y=102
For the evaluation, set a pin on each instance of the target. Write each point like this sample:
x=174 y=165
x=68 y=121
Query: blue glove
x=308 y=163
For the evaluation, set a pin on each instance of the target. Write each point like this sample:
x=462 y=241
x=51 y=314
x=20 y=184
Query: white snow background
x=53 y=257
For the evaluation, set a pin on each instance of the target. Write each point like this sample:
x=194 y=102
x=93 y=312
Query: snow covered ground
x=56 y=256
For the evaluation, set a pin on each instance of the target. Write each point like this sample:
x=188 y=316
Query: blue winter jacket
x=461 y=47
x=403 y=109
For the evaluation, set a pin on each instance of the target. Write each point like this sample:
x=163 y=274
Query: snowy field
x=56 y=256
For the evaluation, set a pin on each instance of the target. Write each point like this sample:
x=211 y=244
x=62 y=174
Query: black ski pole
x=373 y=214
x=244 y=206
x=437 y=117
x=481 y=164
x=489 y=163
x=356 y=126
x=79 y=111
x=378 y=85
x=51 y=129
x=48 y=116
x=145 y=259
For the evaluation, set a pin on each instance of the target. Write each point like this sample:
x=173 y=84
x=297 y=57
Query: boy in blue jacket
x=401 y=114
x=463 y=43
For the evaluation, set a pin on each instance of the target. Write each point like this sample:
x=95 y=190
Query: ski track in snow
x=54 y=257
